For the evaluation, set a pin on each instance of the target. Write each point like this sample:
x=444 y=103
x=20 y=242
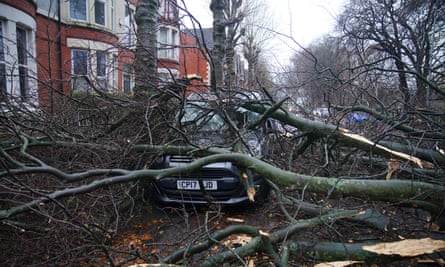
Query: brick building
x=53 y=48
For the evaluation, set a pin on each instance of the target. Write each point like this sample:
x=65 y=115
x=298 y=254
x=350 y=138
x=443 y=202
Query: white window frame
x=168 y=47
x=104 y=3
x=13 y=19
x=86 y=11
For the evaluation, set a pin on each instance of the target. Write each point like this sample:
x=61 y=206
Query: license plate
x=194 y=185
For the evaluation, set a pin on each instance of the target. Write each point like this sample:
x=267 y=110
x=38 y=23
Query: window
x=126 y=79
x=168 y=43
x=18 y=67
x=51 y=6
x=99 y=12
x=128 y=27
x=2 y=64
x=22 y=58
x=78 y=9
x=168 y=10
x=80 y=63
x=101 y=69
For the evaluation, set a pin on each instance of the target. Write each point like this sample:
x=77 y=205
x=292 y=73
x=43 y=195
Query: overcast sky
x=304 y=20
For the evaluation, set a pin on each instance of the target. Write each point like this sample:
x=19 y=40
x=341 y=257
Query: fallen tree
x=319 y=129
x=428 y=196
x=50 y=188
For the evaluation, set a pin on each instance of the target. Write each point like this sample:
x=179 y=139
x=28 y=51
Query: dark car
x=220 y=182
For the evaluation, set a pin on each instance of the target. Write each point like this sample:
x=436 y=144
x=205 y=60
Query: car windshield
x=202 y=118
x=206 y=121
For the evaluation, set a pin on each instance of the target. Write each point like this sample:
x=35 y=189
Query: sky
x=303 y=20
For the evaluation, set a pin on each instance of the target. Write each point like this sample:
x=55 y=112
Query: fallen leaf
x=393 y=166
x=251 y=193
x=407 y=247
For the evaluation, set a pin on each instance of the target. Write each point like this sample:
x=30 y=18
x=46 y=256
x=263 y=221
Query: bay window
x=88 y=69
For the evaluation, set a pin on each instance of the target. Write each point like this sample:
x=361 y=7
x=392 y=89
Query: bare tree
x=257 y=32
x=319 y=71
x=247 y=29
x=405 y=32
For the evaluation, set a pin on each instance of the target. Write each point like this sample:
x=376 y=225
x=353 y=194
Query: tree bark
x=146 y=51
x=219 y=43
x=332 y=251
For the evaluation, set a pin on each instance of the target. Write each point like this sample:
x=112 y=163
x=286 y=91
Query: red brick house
x=53 y=48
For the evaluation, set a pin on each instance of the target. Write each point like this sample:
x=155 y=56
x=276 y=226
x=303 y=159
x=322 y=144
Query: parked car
x=220 y=183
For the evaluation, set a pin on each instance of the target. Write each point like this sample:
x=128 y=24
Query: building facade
x=50 y=49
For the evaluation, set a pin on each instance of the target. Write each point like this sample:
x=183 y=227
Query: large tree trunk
x=146 y=52
x=219 y=40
